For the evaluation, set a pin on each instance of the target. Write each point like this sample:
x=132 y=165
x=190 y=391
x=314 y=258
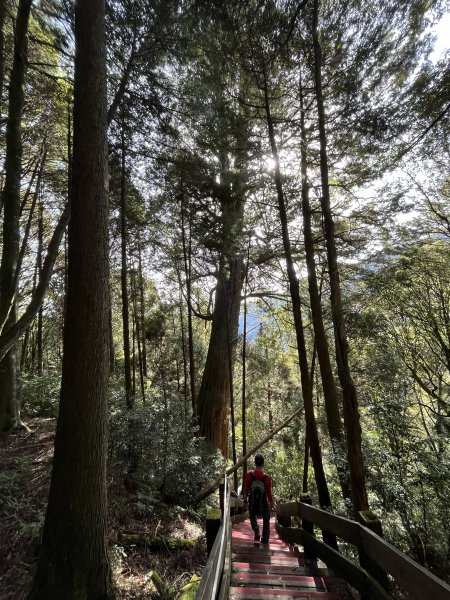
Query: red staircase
x=275 y=570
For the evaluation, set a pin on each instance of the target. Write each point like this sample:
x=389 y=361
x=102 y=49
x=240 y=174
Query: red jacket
x=257 y=475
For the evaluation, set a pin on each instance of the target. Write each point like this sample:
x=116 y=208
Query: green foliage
x=40 y=394
x=189 y=590
x=165 y=591
x=157 y=439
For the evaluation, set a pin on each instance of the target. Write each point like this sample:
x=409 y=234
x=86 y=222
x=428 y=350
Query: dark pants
x=266 y=524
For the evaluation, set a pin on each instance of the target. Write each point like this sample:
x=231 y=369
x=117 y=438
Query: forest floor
x=25 y=468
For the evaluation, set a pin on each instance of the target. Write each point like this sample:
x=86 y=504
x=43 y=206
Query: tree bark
x=9 y=403
x=214 y=394
x=330 y=392
x=11 y=334
x=142 y=310
x=73 y=561
x=244 y=371
x=187 y=254
x=3 y=11
x=40 y=361
x=311 y=426
x=129 y=397
x=350 y=399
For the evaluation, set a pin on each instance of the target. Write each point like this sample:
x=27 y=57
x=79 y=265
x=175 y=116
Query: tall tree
x=307 y=384
x=10 y=199
x=350 y=399
x=73 y=561
x=320 y=339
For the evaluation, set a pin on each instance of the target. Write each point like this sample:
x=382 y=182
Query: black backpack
x=258 y=495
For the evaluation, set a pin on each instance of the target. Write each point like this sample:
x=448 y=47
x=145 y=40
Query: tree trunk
x=311 y=427
x=244 y=371
x=3 y=10
x=40 y=365
x=214 y=394
x=183 y=347
x=73 y=561
x=187 y=255
x=9 y=402
x=350 y=399
x=10 y=335
x=142 y=310
x=330 y=393
x=305 y=467
x=123 y=280
x=232 y=416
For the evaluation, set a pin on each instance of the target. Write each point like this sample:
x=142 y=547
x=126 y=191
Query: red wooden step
x=250 y=567
x=240 y=593
x=265 y=559
x=281 y=581
x=263 y=549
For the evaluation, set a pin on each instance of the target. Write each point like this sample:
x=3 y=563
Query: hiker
x=258 y=489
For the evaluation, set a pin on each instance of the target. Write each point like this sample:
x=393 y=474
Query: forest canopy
x=215 y=214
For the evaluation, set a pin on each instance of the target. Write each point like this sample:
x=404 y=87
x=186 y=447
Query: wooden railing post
x=213 y=520
x=370 y=520
x=221 y=493
x=307 y=526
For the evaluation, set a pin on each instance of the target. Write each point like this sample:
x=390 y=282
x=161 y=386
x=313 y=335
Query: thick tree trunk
x=129 y=396
x=9 y=403
x=350 y=399
x=214 y=394
x=311 y=427
x=330 y=393
x=73 y=561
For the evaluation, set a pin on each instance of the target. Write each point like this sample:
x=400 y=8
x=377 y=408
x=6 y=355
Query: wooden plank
x=299 y=582
x=339 y=526
x=227 y=567
x=414 y=578
x=291 y=535
x=212 y=573
x=243 y=593
x=288 y=509
x=344 y=567
x=249 y=567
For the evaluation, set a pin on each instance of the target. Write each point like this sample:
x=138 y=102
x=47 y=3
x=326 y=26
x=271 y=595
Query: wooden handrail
x=414 y=578
x=212 y=573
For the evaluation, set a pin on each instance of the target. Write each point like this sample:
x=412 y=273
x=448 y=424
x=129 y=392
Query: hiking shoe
x=257 y=537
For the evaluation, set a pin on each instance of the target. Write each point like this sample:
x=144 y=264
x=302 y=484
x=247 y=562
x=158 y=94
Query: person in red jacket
x=258 y=490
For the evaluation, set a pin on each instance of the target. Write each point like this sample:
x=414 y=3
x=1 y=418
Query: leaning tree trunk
x=305 y=377
x=330 y=393
x=350 y=399
x=73 y=561
x=9 y=402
